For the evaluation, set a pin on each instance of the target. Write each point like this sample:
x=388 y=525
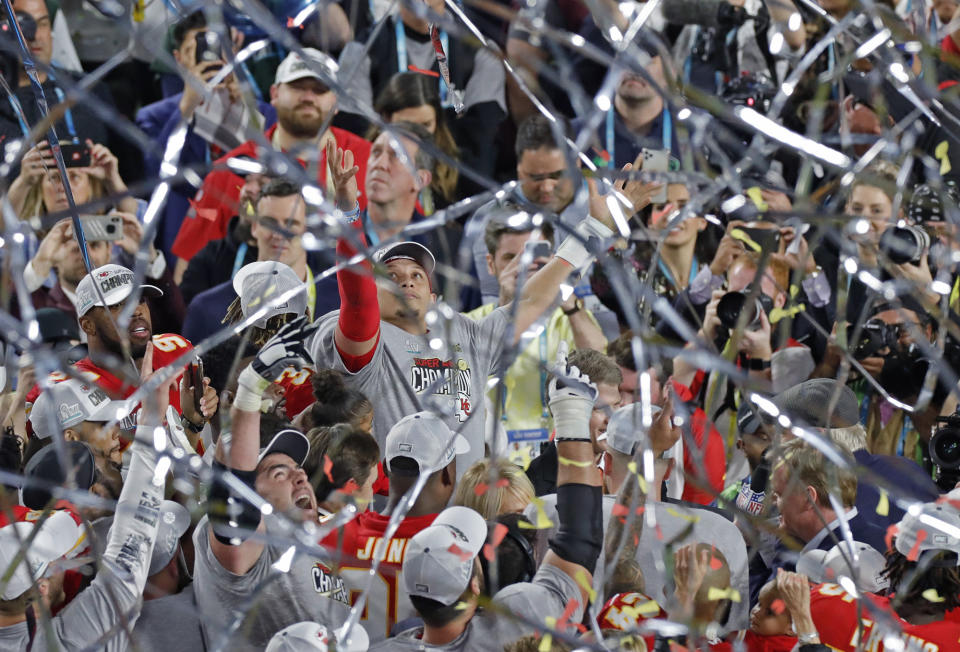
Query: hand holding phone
x=75 y=155
x=195 y=378
x=657 y=160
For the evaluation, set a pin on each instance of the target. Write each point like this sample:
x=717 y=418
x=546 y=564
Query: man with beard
x=59 y=251
x=111 y=367
x=303 y=102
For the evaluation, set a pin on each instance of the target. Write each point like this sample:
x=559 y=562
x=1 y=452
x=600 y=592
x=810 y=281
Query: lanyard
x=402 y=62
x=311 y=293
x=544 y=413
x=368 y=229
x=666 y=136
x=18 y=111
x=238 y=259
x=68 y=115
x=666 y=271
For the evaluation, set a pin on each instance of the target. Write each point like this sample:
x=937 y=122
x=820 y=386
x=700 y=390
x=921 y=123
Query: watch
x=577 y=307
x=187 y=423
x=758 y=365
x=810 y=637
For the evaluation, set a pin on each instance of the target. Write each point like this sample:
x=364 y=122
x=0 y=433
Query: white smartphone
x=657 y=160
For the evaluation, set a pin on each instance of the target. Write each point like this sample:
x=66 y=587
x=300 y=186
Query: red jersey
x=297 y=389
x=846 y=625
x=624 y=611
x=361 y=540
x=218 y=198
x=757 y=643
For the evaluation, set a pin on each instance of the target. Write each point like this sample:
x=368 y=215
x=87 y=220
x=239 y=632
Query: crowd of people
x=475 y=326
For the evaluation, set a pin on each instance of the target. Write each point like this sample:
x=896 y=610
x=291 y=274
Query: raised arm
x=239 y=451
x=358 y=326
x=579 y=539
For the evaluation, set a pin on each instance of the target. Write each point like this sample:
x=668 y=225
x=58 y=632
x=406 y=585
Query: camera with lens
x=945 y=451
x=9 y=46
x=875 y=336
x=733 y=304
x=904 y=244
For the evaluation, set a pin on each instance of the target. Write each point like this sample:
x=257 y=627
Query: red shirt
x=757 y=643
x=624 y=611
x=216 y=202
x=837 y=615
x=362 y=538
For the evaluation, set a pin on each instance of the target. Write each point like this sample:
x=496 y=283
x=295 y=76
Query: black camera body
x=945 y=451
x=732 y=304
x=904 y=244
x=876 y=336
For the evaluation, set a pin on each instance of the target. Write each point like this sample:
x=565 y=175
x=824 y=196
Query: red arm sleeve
x=359 y=319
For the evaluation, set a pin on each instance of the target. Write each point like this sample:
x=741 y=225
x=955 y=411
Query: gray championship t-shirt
x=444 y=371
x=679 y=525
x=547 y=596
x=266 y=599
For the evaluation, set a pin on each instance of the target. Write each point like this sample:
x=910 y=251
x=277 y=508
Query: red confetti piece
x=481 y=488
x=619 y=510
x=778 y=606
x=501 y=483
x=327 y=466
x=499 y=531
x=715 y=563
x=892 y=531
x=428 y=73
x=915 y=550
x=454 y=549
x=488 y=552
x=571 y=607
x=350 y=487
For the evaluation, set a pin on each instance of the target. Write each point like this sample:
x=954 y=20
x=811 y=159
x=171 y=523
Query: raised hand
x=343 y=175
x=288 y=348
x=572 y=396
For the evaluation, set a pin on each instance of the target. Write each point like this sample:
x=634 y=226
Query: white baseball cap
x=60 y=536
x=424 y=437
x=438 y=562
x=174 y=521
x=867 y=565
x=930 y=526
x=116 y=283
x=67 y=403
x=258 y=284
x=294 y=67
x=308 y=636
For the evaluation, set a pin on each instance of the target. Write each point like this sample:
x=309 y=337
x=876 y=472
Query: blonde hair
x=33 y=202
x=809 y=466
x=488 y=502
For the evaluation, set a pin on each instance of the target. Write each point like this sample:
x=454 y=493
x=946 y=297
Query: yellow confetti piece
x=781 y=313
x=460 y=606
x=756 y=196
x=564 y=460
x=632 y=467
x=542 y=522
x=931 y=595
x=547 y=641
x=584 y=583
x=883 y=506
x=723 y=594
x=739 y=234
x=686 y=517
x=942 y=155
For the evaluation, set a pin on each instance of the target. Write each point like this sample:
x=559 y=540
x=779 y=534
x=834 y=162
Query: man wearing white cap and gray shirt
x=678 y=523
x=420 y=444
x=249 y=582
x=442 y=572
x=395 y=345
x=80 y=411
x=114 y=596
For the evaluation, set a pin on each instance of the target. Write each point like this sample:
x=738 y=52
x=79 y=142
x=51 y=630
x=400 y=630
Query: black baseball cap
x=45 y=465
x=409 y=250
x=289 y=442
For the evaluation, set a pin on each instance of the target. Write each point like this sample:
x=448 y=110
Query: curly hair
x=911 y=580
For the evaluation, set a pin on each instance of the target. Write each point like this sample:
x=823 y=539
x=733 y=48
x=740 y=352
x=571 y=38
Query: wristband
x=571 y=417
x=577 y=307
x=352 y=215
x=809 y=637
x=758 y=365
x=250 y=389
x=577 y=249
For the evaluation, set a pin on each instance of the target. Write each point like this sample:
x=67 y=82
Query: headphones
x=529 y=559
